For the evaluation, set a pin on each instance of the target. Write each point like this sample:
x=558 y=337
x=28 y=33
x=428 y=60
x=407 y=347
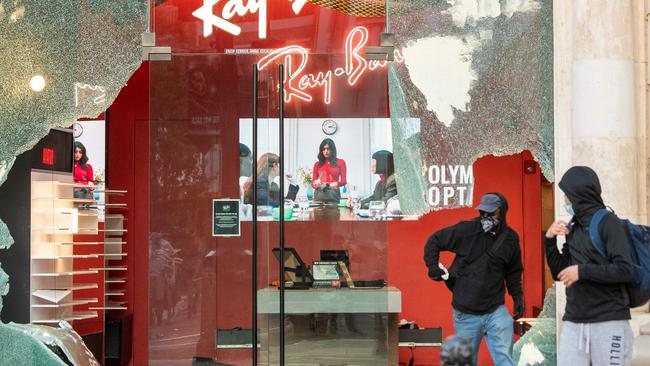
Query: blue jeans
x=497 y=326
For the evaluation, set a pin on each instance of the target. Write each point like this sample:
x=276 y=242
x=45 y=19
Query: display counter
x=331 y=326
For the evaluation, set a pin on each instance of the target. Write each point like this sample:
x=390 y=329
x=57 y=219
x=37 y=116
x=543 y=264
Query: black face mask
x=489 y=223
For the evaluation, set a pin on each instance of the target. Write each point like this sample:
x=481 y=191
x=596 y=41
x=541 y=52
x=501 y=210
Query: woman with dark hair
x=83 y=172
x=382 y=164
x=268 y=192
x=329 y=174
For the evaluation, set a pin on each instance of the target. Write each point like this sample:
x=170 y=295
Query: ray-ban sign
x=233 y=9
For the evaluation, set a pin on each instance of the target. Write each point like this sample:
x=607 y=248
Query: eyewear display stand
x=56 y=216
x=114 y=255
x=331 y=326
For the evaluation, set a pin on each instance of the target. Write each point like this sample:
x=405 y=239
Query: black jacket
x=383 y=191
x=600 y=293
x=480 y=275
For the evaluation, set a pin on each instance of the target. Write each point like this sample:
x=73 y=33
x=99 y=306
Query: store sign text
x=450 y=183
x=298 y=83
x=239 y=8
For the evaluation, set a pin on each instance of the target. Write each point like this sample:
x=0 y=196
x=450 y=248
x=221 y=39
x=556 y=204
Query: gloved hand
x=436 y=273
x=519 y=307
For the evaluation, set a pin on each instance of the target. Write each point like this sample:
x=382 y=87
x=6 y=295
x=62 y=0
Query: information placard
x=225 y=217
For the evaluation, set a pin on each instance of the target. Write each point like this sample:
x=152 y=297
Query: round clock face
x=330 y=127
x=77 y=130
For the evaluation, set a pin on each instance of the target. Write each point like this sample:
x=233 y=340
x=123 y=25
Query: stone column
x=604 y=100
x=600 y=101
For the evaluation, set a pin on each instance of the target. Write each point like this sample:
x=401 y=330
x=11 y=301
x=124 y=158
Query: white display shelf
x=115 y=216
x=84 y=286
x=53 y=296
x=90 y=243
x=60 y=274
x=55 y=183
x=112 y=191
x=53 y=211
x=74 y=200
x=70 y=256
x=108 y=269
x=74 y=302
x=109 y=307
x=61 y=230
x=114 y=293
x=115 y=280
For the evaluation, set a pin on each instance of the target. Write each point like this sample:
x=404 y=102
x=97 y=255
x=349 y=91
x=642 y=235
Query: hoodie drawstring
x=582 y=328
x=582 y=339
x=588 y=338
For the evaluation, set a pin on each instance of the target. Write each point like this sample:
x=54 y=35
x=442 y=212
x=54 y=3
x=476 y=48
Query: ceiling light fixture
x=37 y=83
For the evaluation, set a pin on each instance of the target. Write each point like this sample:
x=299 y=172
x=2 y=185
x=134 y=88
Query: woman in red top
x=83 y=172
x=328 y=174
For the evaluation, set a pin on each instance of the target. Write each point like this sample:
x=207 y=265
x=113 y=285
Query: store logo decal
x=297 y=84
x=238 y=8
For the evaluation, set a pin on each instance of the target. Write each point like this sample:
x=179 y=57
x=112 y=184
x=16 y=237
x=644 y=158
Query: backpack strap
x=593 y=231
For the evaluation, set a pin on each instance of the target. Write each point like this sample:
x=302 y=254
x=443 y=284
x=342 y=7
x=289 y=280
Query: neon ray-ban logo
x=297 y=84
x=239 y=8
x=82 y=91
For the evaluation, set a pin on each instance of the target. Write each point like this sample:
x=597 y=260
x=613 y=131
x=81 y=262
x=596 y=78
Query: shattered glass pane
x=538 y=346
x=28 y=344
x=477 y=75
x=61 y=61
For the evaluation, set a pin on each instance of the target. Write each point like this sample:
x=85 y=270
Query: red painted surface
x=215 y=273
x=428 y=303
x=225 y=279
x=127 y=162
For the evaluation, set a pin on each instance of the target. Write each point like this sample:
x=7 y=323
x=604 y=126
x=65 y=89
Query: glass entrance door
x=215 y=287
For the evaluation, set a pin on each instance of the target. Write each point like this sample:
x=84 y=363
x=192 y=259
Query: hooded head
x=384 y=161
x=581 y=186
x=456 y=351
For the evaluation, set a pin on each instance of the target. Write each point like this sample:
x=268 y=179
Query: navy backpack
x=639 y=242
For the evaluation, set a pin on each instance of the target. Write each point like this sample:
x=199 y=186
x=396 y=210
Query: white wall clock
x=329 y=127
x=77 y=130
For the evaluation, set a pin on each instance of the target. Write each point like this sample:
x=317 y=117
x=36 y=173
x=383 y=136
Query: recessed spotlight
x=37 y=83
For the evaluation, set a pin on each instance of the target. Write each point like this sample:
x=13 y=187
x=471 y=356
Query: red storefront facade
x=173 y=133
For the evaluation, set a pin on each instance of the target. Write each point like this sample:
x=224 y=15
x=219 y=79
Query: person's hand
x=569 y=275
x=519 y=308
x=317 y=183
x=435 y=273
x=291 y=179
x=334 y=185
x=557 y=228
x=350 y=202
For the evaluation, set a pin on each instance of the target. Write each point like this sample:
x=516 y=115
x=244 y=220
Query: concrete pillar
x=600 y=78
x=604 y=100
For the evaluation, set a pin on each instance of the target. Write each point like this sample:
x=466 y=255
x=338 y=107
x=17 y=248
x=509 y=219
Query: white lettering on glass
x=450 y=184
x=239 y=8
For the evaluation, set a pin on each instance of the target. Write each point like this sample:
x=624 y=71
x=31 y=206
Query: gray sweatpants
x=597 y=344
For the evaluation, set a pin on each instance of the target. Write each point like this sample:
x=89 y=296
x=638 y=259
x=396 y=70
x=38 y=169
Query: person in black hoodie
x=596 y=329
x=488 y=259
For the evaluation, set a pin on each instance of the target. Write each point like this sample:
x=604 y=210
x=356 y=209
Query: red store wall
x=127 y=169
